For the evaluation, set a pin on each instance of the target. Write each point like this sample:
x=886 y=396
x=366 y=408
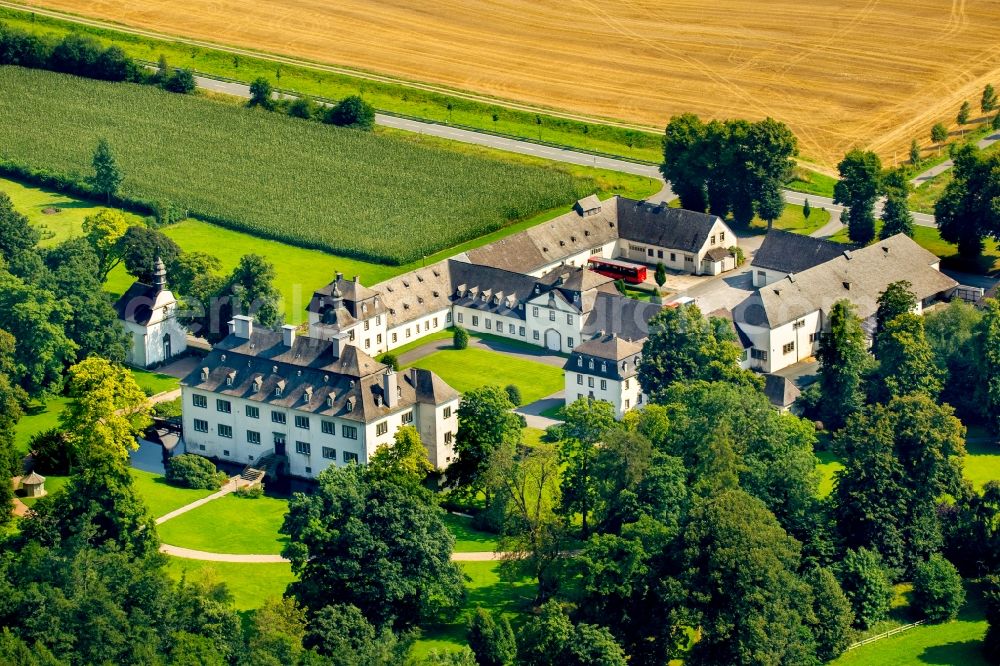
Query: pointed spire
x=159 y=275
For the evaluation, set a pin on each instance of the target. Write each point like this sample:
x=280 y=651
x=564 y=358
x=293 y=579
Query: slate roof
x=858 y=276
x=136 y=304
x=780 y=391
x=785 y=252
x=612 y=312
x=610 y=347
x=658 y=224
x=33 y=479
x=310 y=378
x=341 y=302
x=717 y=254
x=417 y=293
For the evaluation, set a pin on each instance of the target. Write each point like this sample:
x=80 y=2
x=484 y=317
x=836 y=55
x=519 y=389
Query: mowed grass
x=230 y=525
x=153 y=383
x=38 y=417
x=467 y=369
x=485 y=588
x=829 y=465
x=160 y=496
x=58 y=216
x=367 y=195
x=250 y=584
x=53 y=484
x=957 y=642
x=467 y=538
x=982 y=462
x=930 y=239
x=793 y=219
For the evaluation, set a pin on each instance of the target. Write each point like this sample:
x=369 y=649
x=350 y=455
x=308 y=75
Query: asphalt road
x=538 y=150
x=937 y=170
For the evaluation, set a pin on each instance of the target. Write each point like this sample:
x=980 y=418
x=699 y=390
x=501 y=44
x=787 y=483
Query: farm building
x=784 y=319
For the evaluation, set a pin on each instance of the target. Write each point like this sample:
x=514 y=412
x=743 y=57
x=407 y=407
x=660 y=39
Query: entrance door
x=279 y=444
x=166 y=347
x=553 y=340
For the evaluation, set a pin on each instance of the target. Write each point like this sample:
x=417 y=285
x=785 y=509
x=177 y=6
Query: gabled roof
x=609 y=346
x=859 y=276
x=613 y=313
x=785 y=252
x=658 y=224
x=717 y=254
x=430 y=389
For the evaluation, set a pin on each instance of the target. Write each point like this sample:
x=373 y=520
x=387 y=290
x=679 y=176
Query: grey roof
x=33 y=479
x=609 y=346
x=580 y=230
x=858 y=276
x=613 y=313
x=609 y=359
x=136 y=304
x=717 y=254
x=310 y=378
x=780 y=391
x=658 y=224
x=345 y=301
x=589 y=204
x=417 y=293
x=430 y=388
x=786 y=252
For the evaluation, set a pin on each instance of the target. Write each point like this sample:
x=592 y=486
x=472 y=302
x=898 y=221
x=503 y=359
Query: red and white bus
x=619 y=270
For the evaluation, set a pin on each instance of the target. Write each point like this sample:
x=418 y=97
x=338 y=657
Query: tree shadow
x=949 y=654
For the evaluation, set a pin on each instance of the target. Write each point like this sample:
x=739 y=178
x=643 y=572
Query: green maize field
x=374 y=196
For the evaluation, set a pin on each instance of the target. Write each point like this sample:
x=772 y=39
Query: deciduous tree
x=351 y=112
x=858 y=189
x=261 y=94
x=867 y=586
x=142 y=246
x=486 y=424
x=586 y=421
x=896 y=216
x=937 y=589
x=939 y=133
x=104 y=231
x=832 y=612
x=492 y=639
x=969 y=209
x=844 y=359
x=988 y=102
x=905 y=360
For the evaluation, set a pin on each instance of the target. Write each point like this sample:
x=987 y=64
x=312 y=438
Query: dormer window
x=604 y=367
x=590 y=364
x=330 y=399
x=279 y=388
x=257 y=381
x=350 y=405
x=230 y=378
x=309 y=394
x=579 y=361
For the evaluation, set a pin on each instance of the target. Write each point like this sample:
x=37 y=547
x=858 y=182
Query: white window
x=813 y=337
x=460 y=318
x=253 y=412
x=225 y=431
x=722 y=236
x=512 y=329
x=407 y=418
x=475 y=320
x=569 y=342
x=349 y=432
x=367 y=324
x=302 y=447
x=447 y=413
x=329 y=454
x=552 y=315
x=394 y=337
x=253 y=437
x=604 y=384
x=788 y=348
x=302 y=422
x=224 y=406
x=199 y=400
x=534 y=335
x=579 y=379
x=328 y=427
x=350 y=457
x=626 y=385
x=590 y=382
x=520 y=331
x=534 y=311
x=277 y=417
x=569 y=319
x=447 y=438
x=381 y=428
x=489 y=324
x=201 y=425
x=758 y=354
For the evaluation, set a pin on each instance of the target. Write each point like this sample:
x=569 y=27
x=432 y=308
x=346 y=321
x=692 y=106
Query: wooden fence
x=886 y=634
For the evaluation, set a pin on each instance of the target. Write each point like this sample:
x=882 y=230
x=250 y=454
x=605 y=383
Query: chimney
x=847 y=286
x=288 y=335
x=338 y=276
x=339 y=344
x=390 y=388
x=232 y=327
x=355 y=279
x=243 y=326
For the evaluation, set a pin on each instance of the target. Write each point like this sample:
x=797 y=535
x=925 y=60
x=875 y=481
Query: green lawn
x=982 y=462
x=955 y=642
x=923 y=198
x=153 y=383
x=467 y=538
x=554 y=412
x=930 y=239
x=487 y=589
x=468 y=369
x=38 y=418
x=250 y=584
x=436 y=336
x=64 y=219
x=793 y=219
x=828 y=465
x=160 y=496
x=230 y=525
x=532 y=437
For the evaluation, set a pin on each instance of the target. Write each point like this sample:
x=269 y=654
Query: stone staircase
x=267 y=464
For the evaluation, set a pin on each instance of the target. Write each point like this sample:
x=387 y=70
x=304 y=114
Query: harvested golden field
x=839 y=72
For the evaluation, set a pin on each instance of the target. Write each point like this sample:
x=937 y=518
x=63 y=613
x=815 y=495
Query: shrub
x=390 y=360
x=661 y=274
x=937 y=589
x=168 y=410
x=991 y=642
x=260 y=94
x=50 y=452
x=191 y=471
x=250 y=492
x=738 y=254
x=460 y=339
x=302 y=107
x=492 y=640
x=514 y=393
x=351 y=112
x=181 y=81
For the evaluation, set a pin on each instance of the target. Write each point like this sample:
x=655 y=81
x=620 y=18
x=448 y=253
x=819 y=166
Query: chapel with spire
x=149 y=314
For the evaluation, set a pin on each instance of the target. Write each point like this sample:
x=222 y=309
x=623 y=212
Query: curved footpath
x=205 y=556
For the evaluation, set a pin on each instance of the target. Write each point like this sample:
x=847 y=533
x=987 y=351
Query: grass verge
x=38 y=417
x=154 y=383
x=250 y=584
x=160 y=496
x=467 y=538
